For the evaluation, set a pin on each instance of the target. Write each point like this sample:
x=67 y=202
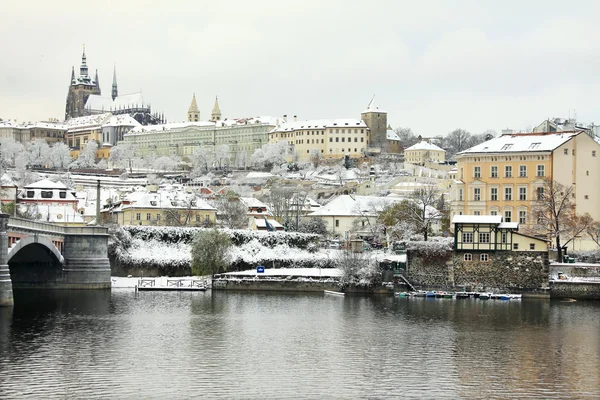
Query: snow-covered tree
x=270 y=154
x=60 y=156
x=38 y=153
x=358 y=269
x=166 y=163
x=315 y=157
x=202 y=159
x=221 y=154
x=232 y=212
x=102 y=164
x=87 y=156
x=122 y=156
x=10 y=150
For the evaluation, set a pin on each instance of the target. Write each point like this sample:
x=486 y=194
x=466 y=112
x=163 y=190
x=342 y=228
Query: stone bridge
x=38 y=255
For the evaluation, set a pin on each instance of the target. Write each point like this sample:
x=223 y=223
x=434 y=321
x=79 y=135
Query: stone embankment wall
x=575 y=290
x=575 y=270
x=283 y=285
x=503 y=271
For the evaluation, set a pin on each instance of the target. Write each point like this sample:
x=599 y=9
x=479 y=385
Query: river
x=122 y=344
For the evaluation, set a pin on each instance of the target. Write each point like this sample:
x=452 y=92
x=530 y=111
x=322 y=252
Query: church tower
x=115 y=91
x=193 y=112
x=80 y=89
x=216 y=111
x=376 y=120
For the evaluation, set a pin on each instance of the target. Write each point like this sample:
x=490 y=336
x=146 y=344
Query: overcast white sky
x=433 y=65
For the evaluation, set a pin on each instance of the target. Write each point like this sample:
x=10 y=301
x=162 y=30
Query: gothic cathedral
x=80 y=89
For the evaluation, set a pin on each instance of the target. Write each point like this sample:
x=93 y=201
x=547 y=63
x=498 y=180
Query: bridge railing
x=45 y=227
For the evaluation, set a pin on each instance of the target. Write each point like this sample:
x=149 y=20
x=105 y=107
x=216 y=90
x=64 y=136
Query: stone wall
x=575 y=290
x=424 y=271
x=575 y=270
x=504 y=271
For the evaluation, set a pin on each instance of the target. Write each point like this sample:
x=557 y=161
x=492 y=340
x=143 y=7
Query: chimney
x=284 y=117
x=295 y=118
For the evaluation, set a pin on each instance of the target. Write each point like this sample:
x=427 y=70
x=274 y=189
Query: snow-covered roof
x=180 y=126
x=101 y=103
x=509 y=225
x=9 y=124
x=523 y=142
x=261 y=223
x=350 y=205
x=391 y=135
x=7 y=181
x=320 y=124
x=477 y=219
x=308 y=272
x=87 y=121
x=373 y=107
x=46 y=184
x=122 y=120
x=170 y=200
x=251 y=202
x=423 y=145
x=46 y=125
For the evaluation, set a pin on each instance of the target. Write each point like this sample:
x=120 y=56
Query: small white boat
x=485 y=296
x=516 y=296
x=334 y=293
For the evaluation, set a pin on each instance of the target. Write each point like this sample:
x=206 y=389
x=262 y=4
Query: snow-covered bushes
x=435 y=247
x=358 y=269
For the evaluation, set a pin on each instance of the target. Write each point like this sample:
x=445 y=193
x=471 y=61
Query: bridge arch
x=35 y=239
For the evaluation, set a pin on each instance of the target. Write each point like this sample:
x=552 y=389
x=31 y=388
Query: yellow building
x=423 y=153
x=503 y=176
x=162 y=208
x=82 y=130
x=330 y=138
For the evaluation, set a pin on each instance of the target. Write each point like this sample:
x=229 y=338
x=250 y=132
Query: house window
x=541 y=170
x=484 y=257
x=586 y=197
x=566 y=151
x=148 y=217
x=494 y=194
x=531 y=246
x=467 y=237
x=593 y=153
x=477 y=172
x=522 y=217
x=484 y=237
x=62 y=195
x=460 y=195
x=522 y=193
x=515 y=246
x=493 y=212
x=197 y=218
x=507 y=216
x=539 y=193
x=494 y=171
x=468 y=257
x=476 y=212
x=158 y=217
x=503 y=237
x=508 y=194
x=476 y=194
x=337 y=223
x=522 y=171
x=330 y=139
x=337 y=139
x=138 y=216
x=46 y=194
x=508 y=171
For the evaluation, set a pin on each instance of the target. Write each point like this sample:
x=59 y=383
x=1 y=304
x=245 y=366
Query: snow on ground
x=313 y=272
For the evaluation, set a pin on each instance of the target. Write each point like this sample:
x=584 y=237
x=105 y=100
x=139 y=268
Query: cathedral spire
x=193 y=111
x=97 y=80
x=83 y=70
x=216 y=111
x=115 y=91
x=73 y=76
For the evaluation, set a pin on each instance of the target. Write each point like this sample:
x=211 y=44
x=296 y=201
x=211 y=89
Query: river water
x=119 y=344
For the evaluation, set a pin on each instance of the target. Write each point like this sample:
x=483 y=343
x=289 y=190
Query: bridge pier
x=6 y=292
x=86 y=264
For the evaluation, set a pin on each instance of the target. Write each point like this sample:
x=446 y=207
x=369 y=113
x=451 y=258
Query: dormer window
x=46 y=194
x=153 y=202
x=62 y=195
x=507 y=146
x=30 y=194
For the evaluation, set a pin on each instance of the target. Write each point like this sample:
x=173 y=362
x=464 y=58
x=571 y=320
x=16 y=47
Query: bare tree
x=421 y=208
x=232 y=212
x=555 y=215
x=407 y=137
x=457 y=141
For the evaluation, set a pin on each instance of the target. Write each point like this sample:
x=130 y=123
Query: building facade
x=376 y=120
x=504 y=176
x=423 y=153
x=330 y=138
x=241 y=136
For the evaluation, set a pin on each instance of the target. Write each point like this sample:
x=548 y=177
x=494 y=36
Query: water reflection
x=278 y=345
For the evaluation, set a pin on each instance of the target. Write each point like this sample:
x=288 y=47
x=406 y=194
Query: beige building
x=503 y=176
x=424 y=153
x=242 y=137
x=51 y=131
x=334 y=138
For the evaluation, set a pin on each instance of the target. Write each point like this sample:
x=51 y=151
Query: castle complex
x=85 y=98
